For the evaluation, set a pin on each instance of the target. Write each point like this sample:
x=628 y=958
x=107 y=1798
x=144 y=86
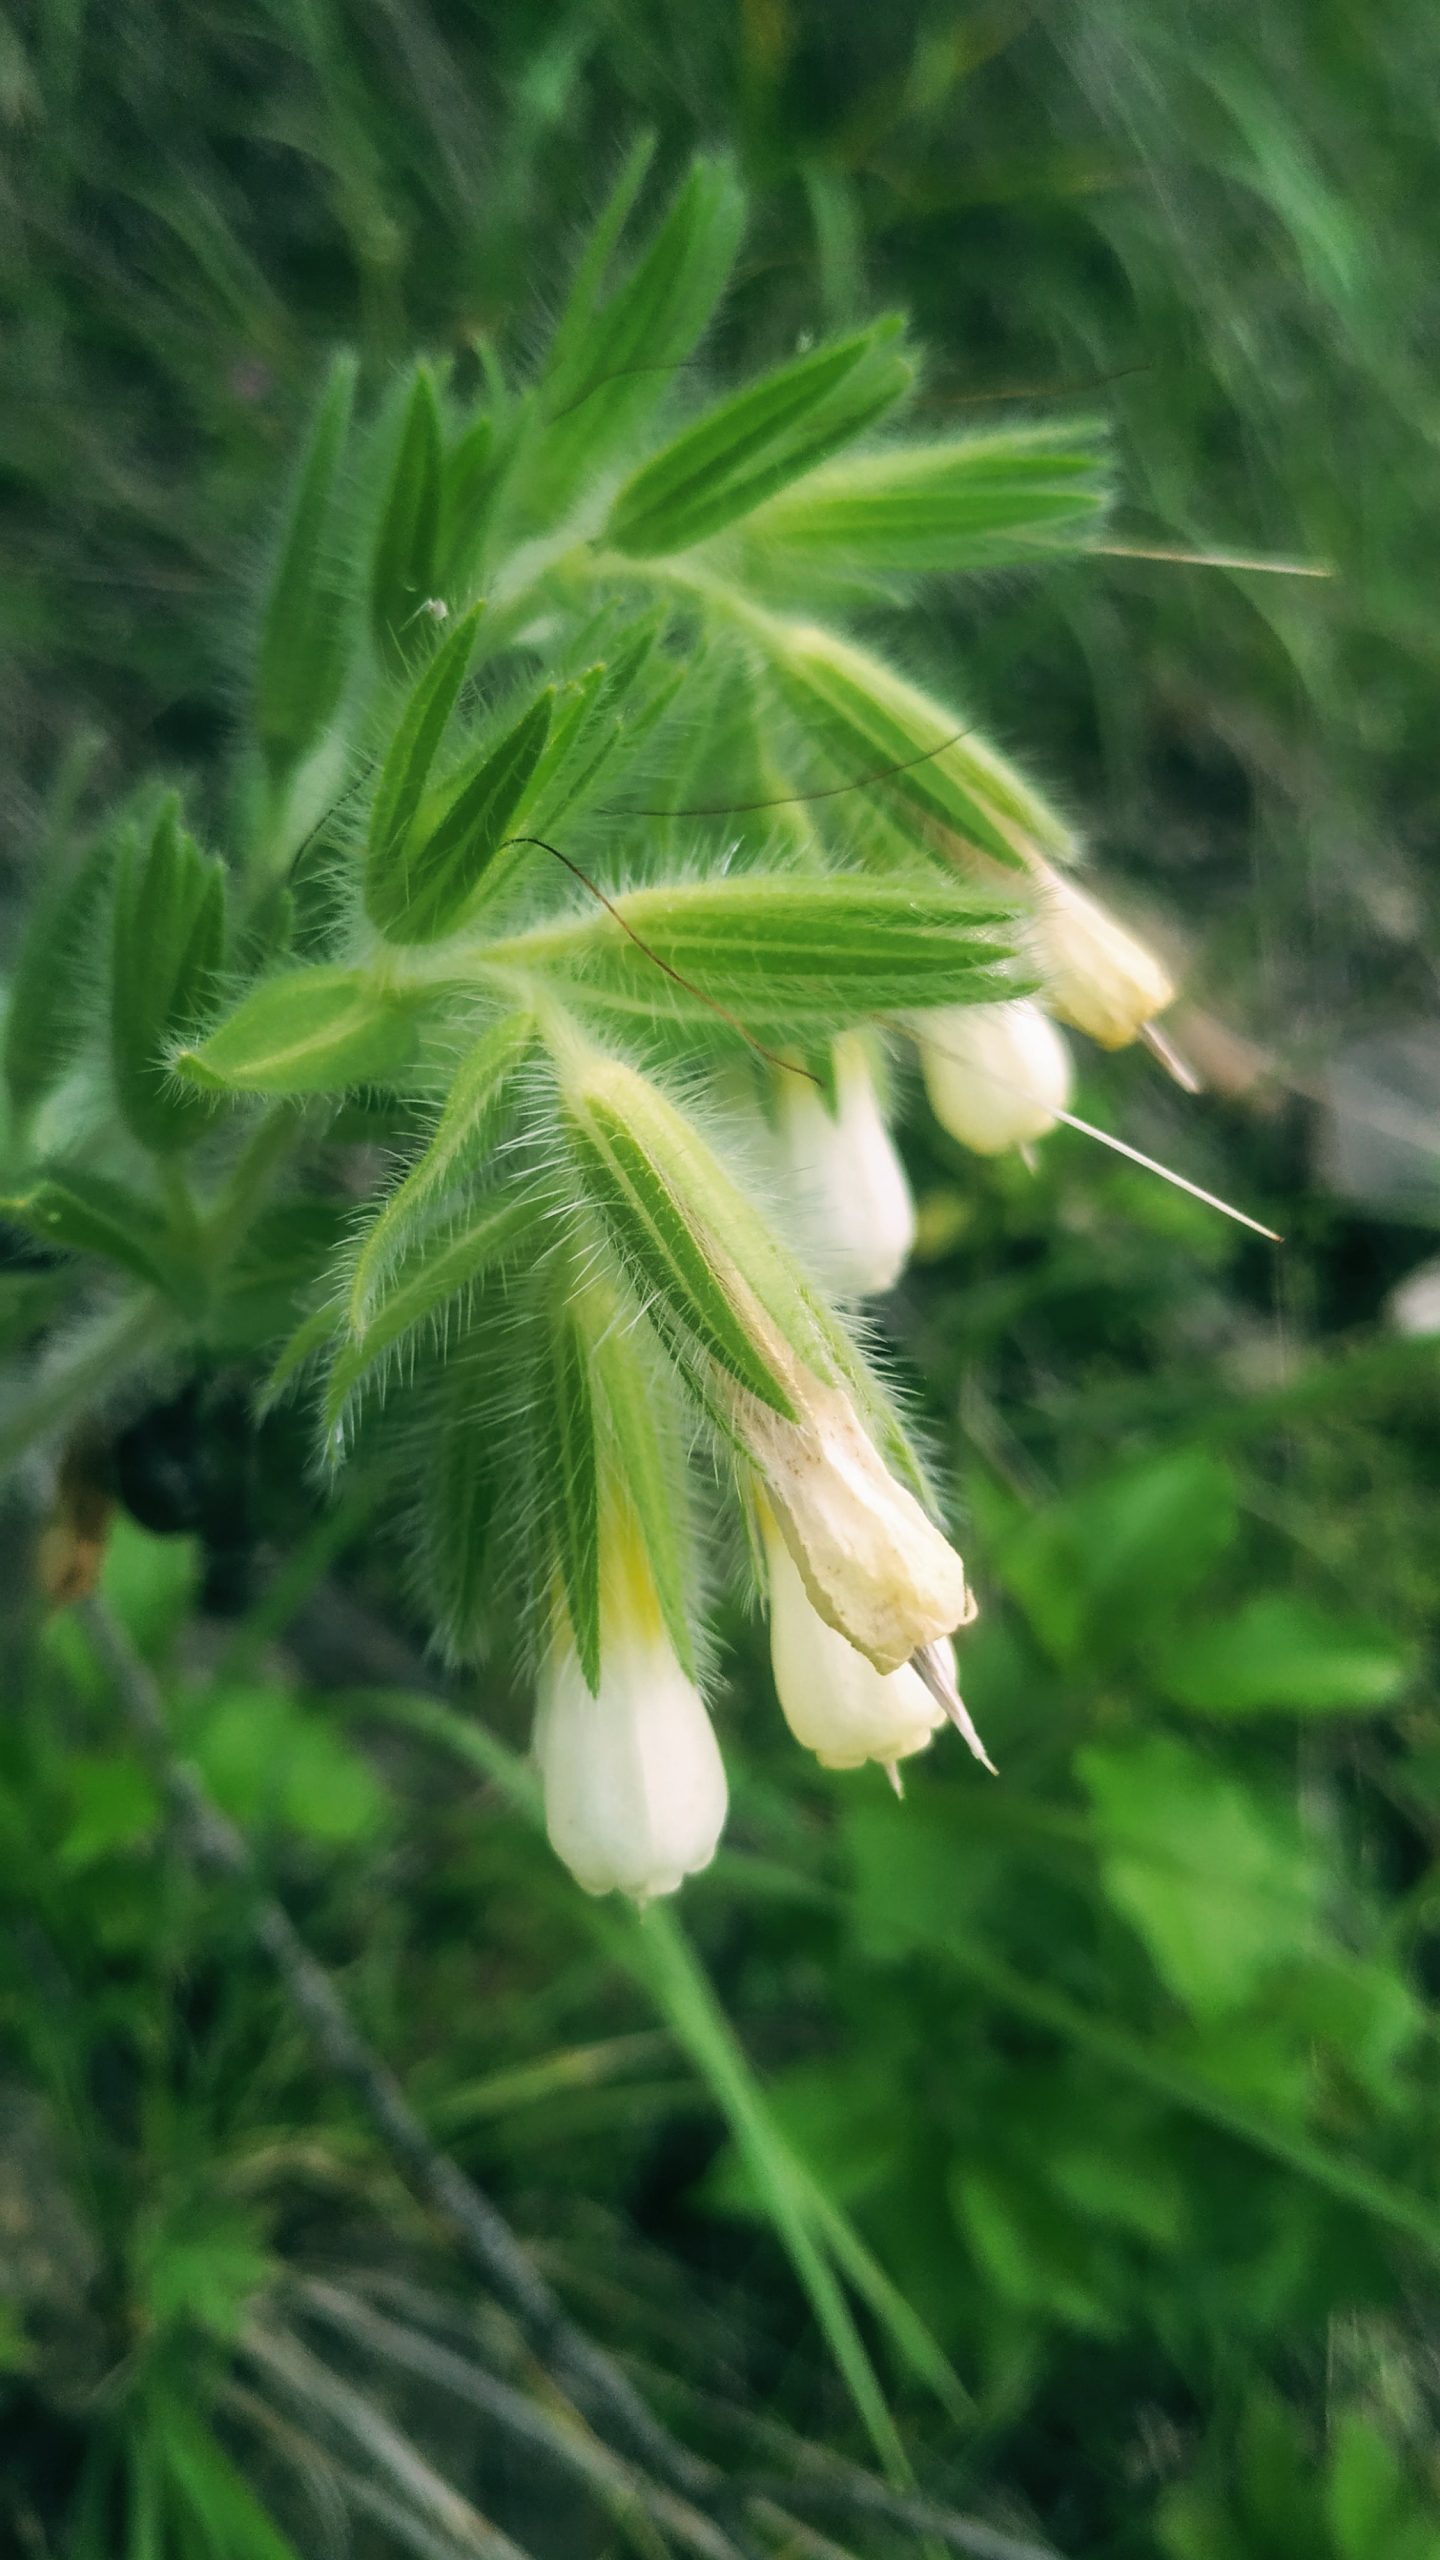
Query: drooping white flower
x=1095 y=974
x=876 y=1570
x=996 y=1074
x=844 y=1176
x=634 y=1785
x=835 y=1702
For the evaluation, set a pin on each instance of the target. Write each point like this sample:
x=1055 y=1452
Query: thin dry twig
x=576 y=2451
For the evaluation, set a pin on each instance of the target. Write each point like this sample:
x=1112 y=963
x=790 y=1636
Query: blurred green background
x=1124 y=2068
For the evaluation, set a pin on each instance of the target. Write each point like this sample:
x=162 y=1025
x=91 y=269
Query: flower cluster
x=586 y=873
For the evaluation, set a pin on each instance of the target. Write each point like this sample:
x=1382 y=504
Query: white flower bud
x=634 y=1784
x=834 y=1701
x=875 y=1568
x=1096 y=975
x=635 y=1795
x=843 y=1173
x=996 y=1074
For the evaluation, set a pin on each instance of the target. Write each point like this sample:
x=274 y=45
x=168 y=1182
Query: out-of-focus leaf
x=268 y=1759
x=1106 y=1566
x=1280 y=1652
x=1219 y=1886
x=84 y=1212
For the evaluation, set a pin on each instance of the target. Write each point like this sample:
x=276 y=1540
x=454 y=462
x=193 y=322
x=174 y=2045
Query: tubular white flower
x=875 y=1568
x=844 y=1174
x=634 y=1785
x=996 y=1074
x=1095 y=974
x=834 y=1701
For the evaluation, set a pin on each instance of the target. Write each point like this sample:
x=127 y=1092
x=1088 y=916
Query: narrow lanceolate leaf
x=666 y=1257
x=418 y=1292
x=405 y=555
x=786 y=952
x=419 y=890
x=758 y=441
x=166 y=952
x=972 y=502
x=463 y=1135
x=458 y=1498
x=637 y=1398
x=882 y=734
x=701 y=1257
x=82 y=1212
x=467 y=484
x=306 y=631
x=314 y=1334
x=310 y=1031
x=615 y=361
x=51 y=994
x=566 y=1482
x=416 y=743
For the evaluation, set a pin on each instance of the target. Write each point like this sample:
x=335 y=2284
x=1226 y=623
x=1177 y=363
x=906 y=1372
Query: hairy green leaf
x=462 y=1136
x=305 y=635
x=308 y=1031
x=416 y=743
x=403 y=560
x=637 y=1400
x=418 y=1291
x=783 y=951
x=51 y=995
x=755 y=442
x=419 y=889
x=459 y=1489
x=166 y=953
x=566 y=1485
x=615 y=361
x=973 y=502
x=882 y=733
x=665 y=1254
